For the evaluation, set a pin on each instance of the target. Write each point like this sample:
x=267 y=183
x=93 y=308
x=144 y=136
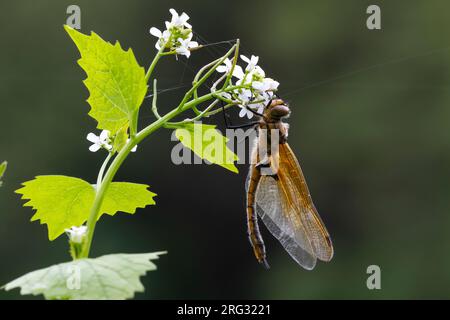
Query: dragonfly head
x=277 y=109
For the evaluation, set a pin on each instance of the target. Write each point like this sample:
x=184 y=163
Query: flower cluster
x=177 y=36
x=102 y=141
x=260 y=88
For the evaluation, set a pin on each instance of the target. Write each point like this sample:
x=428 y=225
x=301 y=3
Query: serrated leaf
x=126 y=197
x=115 y=81
x=208 y=143
x=112 y=277
x=2 y=170
x=62 y=202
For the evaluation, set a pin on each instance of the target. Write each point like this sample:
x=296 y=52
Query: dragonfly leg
x=229 y=125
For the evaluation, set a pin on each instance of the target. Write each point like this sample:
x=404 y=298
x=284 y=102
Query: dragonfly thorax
x=280 y=126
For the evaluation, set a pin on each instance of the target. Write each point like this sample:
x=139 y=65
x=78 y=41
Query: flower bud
x=76 y=234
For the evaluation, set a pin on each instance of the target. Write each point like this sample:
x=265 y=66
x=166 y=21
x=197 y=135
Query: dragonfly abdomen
x=252 y=219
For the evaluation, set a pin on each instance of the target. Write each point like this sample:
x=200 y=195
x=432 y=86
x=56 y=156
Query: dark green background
x=370 y=115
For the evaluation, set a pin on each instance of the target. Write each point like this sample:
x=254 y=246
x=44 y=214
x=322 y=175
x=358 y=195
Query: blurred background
x=370 y=115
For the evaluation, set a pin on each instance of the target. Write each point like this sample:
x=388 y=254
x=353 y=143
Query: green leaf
x=116 y=82
x=207 y=142
x=112 y=277
x=120 y=139
x=126 y=197
x=62 y=202
x=2 y=170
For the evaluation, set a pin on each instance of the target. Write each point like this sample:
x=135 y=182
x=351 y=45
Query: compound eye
x=280 y=111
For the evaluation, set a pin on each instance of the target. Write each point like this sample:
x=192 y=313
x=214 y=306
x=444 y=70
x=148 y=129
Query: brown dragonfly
x=278 y=194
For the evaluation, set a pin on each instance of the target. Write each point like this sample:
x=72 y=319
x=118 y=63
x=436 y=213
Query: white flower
x=178 y=21
x=257 y=107
x=245 y=95
x=261 y=90
x=254 y=100
x=256 y=74
x=185 y=45
x=163 y=37
x=260 y=101
x=134 y=148
x=227 y=66
x=76 y=234
x=101 y=141
x=267 y=84
x=261 y=107
x=177 y=36
x=252 y=62
x=245 y=112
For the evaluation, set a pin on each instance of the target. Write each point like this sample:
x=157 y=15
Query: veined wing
x=298 y=206
x=292 y=236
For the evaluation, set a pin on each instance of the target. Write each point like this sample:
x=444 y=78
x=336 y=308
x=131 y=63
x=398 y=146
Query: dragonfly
x=277 y=193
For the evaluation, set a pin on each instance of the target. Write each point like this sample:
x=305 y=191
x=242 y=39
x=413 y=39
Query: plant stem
x=115 y=165
x=197 y=84
x=152 y=67
x=235 y=58
x=122 y=155
x=154 y=100
x=154 y=62
x=137 y=138
x=216 y=111
x=197 y=117
x=102 y=169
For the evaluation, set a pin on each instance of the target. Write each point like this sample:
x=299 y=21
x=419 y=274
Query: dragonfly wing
x=300 y=207
x=270 y=208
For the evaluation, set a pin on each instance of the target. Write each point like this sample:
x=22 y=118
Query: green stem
x=135 y=115
x=112 y=170
x=235 y=59
x=134 y=123
x=213 y=112
x=152 y=67
x=135 y=139
x=154 y=100
x=122 y=155
x=102 y=169
x=105 y=182
x=197 y=76
x=100 y=194
x=198 y=83
x=198 y=117
x=172 y=52
x=154 y=62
